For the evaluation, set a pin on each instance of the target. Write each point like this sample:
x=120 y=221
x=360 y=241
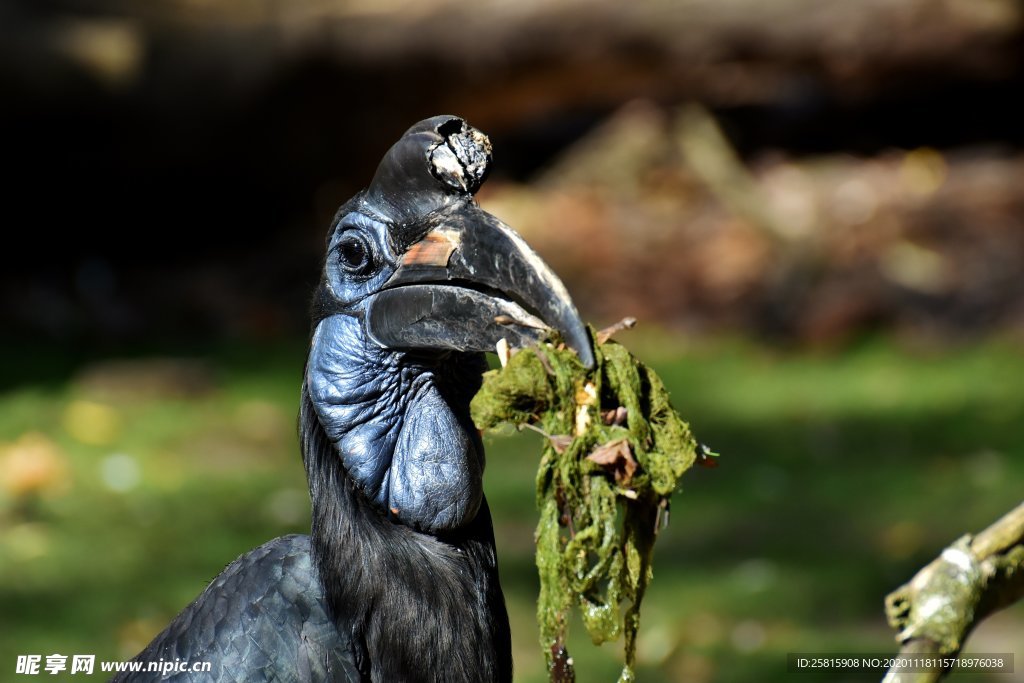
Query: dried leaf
x=617 y=457
x=560 y=442
x=616 y=416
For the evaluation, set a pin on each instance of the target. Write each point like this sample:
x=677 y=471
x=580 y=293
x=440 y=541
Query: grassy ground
x=840 y=475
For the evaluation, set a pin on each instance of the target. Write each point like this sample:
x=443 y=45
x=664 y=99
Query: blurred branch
x=711 y=157
x=936 y=610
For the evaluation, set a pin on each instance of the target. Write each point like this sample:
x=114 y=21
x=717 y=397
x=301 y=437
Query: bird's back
x=263 y=618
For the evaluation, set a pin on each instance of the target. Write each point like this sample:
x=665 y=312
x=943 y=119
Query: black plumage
x=398 y=580
x=264 y=618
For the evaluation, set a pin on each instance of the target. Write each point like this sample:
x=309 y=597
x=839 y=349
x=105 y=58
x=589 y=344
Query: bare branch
x=975 y=576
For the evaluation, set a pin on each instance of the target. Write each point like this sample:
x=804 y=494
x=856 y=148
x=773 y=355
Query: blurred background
x=816 y=210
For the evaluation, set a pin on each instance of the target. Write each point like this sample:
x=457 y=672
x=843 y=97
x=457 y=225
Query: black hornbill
x=398 y=579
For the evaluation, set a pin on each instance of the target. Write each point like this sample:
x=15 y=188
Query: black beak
x=468 y=283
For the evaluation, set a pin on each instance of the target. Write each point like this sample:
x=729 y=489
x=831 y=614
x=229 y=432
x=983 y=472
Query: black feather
x=264 y=618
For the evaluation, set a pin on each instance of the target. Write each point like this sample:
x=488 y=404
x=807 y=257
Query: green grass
x=841 y=474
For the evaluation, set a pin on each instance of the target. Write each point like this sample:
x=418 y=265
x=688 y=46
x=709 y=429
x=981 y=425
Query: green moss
x=603 y=485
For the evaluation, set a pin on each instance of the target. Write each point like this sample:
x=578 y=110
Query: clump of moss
x=614 y=453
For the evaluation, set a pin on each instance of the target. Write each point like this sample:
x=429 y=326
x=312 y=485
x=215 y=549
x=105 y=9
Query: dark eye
x=355 y=254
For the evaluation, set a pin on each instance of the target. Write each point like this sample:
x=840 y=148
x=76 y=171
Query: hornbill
x=398 y=579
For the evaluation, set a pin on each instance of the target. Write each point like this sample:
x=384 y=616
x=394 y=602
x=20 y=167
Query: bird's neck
x=417 y=606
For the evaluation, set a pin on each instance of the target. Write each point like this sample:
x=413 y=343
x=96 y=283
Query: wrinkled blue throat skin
x=400 y=424
x=402 y=536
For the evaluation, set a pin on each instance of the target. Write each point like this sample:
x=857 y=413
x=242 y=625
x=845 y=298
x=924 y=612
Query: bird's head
x=417 y=282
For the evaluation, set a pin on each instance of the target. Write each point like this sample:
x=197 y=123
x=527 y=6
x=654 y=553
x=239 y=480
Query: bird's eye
x=355 y=254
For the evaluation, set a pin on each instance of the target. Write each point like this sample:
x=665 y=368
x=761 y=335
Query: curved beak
x=469 y=282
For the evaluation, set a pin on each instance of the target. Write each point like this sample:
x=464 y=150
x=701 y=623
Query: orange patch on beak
x=434 y=249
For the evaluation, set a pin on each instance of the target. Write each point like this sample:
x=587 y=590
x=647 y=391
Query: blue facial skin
x=348 y=283
x=398 y=420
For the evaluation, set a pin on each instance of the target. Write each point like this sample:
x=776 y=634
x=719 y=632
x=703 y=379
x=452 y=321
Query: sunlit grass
x=841 y=474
